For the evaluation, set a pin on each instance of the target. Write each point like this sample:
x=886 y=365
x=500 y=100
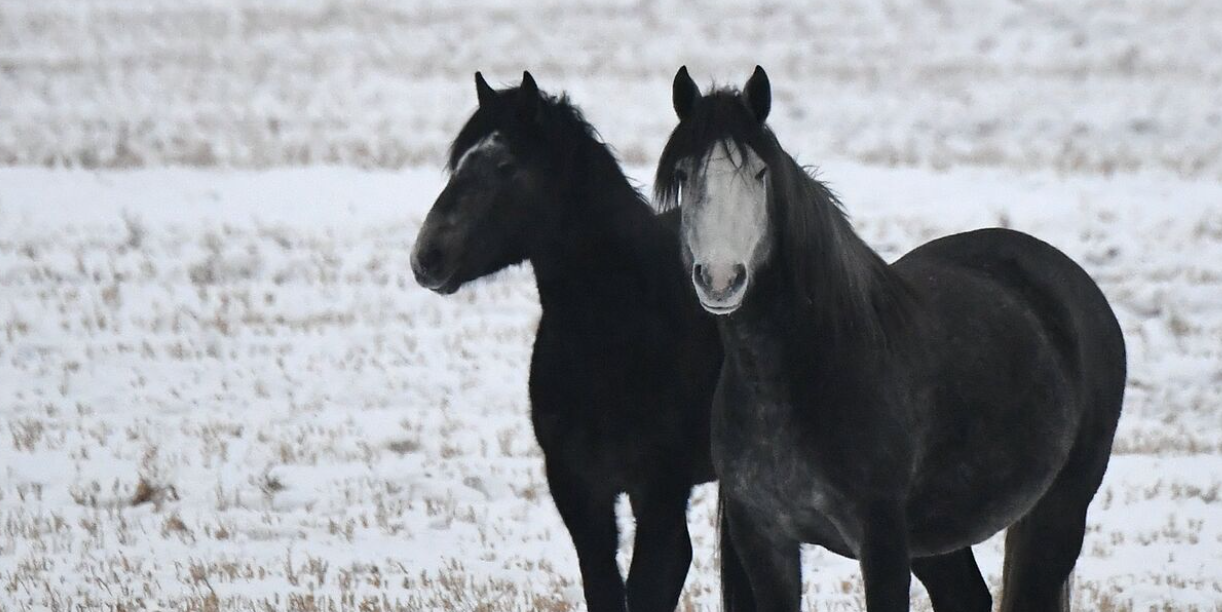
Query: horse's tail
x=736 y=593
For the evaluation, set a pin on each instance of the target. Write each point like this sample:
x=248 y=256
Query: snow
x=308 y=423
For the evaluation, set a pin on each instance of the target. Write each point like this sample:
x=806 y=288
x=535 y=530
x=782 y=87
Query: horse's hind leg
x=662 y=551
x=1041 y=550
x=954 y=582
x=1042 y=547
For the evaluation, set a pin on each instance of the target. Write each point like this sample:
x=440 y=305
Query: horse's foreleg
x=588 y=512
x=884 y=557
x=663 y=549
x=773 y=564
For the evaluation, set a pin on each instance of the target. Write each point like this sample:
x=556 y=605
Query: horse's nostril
x=701 y=275
x=719 y=281
x=738 y=277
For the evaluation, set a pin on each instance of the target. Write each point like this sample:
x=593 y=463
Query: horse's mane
x=841 y=289
x=555 y=125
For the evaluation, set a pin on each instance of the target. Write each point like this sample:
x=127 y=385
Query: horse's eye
x=505 y=168
x=680 y=176
x=759 y=176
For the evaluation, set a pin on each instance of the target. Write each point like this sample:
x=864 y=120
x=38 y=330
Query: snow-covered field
x=1097 y=85
x=221 y=389
x=226 y=384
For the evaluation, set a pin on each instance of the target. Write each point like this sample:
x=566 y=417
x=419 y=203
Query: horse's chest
x=763 y=466
x=597 y=401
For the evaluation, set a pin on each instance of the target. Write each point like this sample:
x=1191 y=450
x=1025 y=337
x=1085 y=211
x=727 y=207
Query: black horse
x=896 y=414
x=625 y=361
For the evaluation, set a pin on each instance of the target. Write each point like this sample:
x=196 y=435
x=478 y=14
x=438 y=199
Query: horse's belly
x=987 y=458
x=965 y=506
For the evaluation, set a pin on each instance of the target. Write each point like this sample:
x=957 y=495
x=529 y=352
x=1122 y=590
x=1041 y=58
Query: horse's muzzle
x=720 y=287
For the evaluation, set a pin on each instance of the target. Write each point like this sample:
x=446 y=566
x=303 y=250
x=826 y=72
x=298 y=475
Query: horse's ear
x=684 y=93
x=529 y=87
x=758 y=94
x=528 y=97
x=483 y=92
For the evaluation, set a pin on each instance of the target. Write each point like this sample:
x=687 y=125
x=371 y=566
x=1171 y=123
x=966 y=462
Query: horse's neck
x=596 y=233
x=777 y=349
x=754 y=340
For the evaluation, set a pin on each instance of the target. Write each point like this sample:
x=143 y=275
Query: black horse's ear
x=684 y=93
x=528 y=97
x=529 y=87
x=483 y=92
x=758 y=94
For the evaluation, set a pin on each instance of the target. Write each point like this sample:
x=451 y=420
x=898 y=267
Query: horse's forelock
x=719 y=119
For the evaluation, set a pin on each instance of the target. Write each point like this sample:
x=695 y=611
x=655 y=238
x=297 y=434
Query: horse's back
x=1073 y=312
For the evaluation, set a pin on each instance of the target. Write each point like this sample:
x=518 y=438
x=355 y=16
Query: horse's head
x=716 y=167
x=477 y=225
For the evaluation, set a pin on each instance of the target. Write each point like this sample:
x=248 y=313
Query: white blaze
x=726 y=214
x=487 y=143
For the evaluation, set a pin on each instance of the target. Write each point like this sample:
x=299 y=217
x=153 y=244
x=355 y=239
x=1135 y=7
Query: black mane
x=839 y=285
x=555 y=128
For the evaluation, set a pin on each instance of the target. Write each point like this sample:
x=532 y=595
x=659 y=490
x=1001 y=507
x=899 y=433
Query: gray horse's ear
x=684 y=93
x=758 y=94
x=483 y=92
x=528 y=97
